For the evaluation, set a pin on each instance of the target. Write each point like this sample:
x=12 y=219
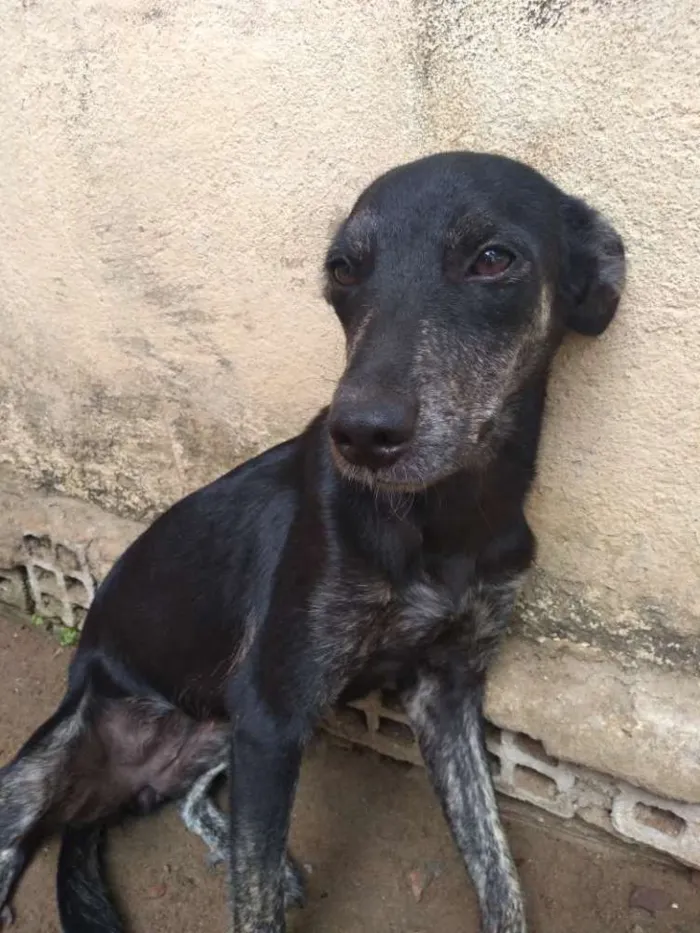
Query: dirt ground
x=372 y=835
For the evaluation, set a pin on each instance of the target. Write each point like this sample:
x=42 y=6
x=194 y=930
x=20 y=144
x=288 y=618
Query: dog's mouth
x=407 y=485
x=404 y=476
x=417 y=470
x=384 y=479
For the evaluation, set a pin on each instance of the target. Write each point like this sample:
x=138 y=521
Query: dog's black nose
x=372 y=432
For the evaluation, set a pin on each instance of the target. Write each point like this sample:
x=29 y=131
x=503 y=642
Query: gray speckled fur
x=205 y=819
x=446 y=716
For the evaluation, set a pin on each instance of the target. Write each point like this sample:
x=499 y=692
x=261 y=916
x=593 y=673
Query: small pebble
x=419 y=880
x=156 y=891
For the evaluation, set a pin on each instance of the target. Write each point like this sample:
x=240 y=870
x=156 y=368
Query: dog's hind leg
x=202 y=816
x=11 y=864
x=100 y=754
x=29 y=787
x=205 y=819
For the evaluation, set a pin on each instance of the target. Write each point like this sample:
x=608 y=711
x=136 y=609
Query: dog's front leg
x=445 y=711
x=265 y=759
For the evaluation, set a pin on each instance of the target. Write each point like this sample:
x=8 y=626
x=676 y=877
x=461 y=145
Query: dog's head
x=454 y=278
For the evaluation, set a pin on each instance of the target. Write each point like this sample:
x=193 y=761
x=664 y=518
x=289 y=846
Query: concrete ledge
x=641 y=725
x=57 y=534
x=523 y=770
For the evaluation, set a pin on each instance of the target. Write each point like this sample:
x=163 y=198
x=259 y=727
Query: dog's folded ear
x=592 y=276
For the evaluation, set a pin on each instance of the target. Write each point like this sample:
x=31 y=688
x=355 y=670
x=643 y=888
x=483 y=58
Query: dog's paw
x=514 y=923
x=214 y=858
x=7 y=917
x=294 y=883
x=507 y=915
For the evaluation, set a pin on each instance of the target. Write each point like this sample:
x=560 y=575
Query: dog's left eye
x=491 y=262
x=343 y=272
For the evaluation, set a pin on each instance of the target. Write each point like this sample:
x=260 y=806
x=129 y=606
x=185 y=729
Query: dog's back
x=179 y=600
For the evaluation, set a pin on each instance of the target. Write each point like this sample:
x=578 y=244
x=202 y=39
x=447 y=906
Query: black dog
x=384 y=545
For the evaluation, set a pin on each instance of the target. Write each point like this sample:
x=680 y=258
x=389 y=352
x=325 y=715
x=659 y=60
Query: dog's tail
x=84 y=904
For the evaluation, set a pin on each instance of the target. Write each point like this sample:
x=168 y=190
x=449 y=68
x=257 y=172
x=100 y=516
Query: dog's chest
x=370 y=616
x=414 y=614
x=426 y=611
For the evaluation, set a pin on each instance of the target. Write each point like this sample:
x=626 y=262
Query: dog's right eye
x=343 y=273
x=491 y=262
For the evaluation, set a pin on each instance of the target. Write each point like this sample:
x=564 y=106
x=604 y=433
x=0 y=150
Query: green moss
x=66 y=637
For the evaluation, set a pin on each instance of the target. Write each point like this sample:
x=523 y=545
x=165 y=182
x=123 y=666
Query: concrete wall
x=169 y=172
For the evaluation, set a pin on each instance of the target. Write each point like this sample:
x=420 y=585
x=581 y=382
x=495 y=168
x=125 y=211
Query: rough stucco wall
x=170 y=171
x=169 y=174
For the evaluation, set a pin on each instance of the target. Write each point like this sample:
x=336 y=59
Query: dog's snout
x=372 y=432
